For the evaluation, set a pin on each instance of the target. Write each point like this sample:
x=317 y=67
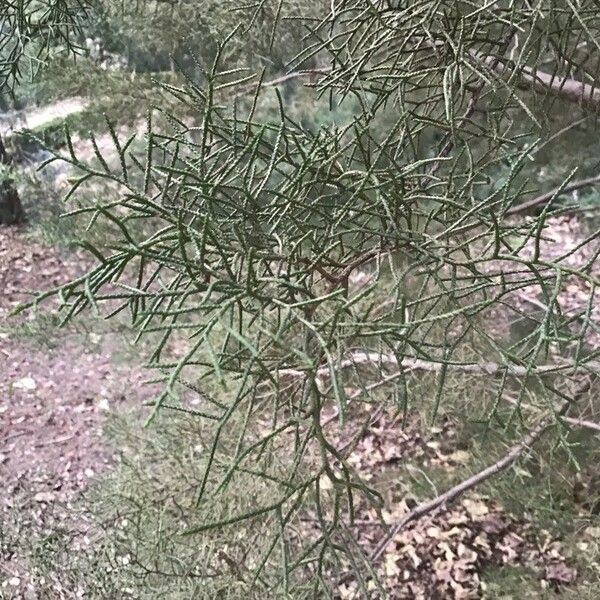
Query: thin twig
x=15 y=436
x=500 y=465
x=533 y=301
x=365 y=357
x=565 y=87
x=543 y=198
x=60 y=440
x=251 y=87
x=584 y=423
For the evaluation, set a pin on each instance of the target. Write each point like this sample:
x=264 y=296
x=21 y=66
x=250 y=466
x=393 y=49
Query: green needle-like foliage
x=33 y=30
x=308 y=269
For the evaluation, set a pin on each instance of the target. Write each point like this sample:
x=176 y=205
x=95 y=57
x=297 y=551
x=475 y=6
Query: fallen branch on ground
x=584 y=423
x=452 y=494
x=500 y=465
x=364 y=357
x=310 y=73
x=543 y=198
x=442 y=501
x=567 y=88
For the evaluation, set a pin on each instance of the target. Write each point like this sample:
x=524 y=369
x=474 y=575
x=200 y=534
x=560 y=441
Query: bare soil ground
x=56 y=389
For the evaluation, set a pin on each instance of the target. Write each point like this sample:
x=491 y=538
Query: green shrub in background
x=158 y=36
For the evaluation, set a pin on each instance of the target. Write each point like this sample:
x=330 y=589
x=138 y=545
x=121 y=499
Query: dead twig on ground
x=552 y=194
x=453 y=493
x=484 y=368
x=584 y=423
x=500 y=465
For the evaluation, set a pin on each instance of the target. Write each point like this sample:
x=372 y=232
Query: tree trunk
x=11 y=209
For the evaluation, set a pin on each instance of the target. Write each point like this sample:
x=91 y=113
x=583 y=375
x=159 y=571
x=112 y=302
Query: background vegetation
x=329 y=228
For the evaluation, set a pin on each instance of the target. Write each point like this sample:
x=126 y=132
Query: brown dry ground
x=57 y=388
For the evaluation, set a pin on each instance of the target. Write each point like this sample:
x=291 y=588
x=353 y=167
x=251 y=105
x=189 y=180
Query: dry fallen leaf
x=391 y=566
x=593 y=532
x=460 y=457
x=44 y=497
x=26 y=383
x=475 y=508
x=560 y=573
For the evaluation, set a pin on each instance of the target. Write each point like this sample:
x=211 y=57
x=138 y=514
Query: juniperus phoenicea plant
x=311 y=268
x=33 y=31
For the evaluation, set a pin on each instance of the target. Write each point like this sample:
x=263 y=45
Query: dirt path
x=56 y=390
x=35 y=117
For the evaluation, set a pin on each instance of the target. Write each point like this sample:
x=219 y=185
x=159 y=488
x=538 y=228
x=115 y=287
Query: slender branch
x=533 y=301
x=364 y=357
x=453 y=493
x=567 y=88
x=546 y=197
x=251 y=87
x=584 y=423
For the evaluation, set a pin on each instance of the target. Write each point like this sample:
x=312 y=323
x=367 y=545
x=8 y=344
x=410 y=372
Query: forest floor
x=56 y=389
x=59 y=386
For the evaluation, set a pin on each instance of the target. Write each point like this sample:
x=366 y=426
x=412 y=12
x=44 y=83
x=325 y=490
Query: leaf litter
x=444 y=554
